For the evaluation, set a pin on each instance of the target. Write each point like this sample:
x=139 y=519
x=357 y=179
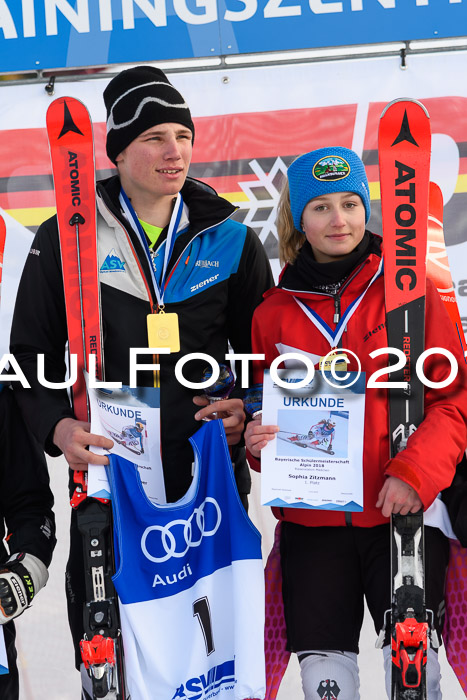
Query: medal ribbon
x=169 y=242
x=333 y=336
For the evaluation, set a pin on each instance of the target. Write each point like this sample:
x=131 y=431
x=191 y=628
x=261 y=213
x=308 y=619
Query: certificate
x=131 y=418
x=317 y=456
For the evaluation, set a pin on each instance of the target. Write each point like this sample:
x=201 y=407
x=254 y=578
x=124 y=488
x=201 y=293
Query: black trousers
x=328 y=571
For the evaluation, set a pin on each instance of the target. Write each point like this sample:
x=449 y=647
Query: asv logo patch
x=112 y=263
x=204 y=686
x=202 y=284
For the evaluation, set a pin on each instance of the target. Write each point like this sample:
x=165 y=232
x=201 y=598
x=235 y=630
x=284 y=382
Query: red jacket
x=429 y=460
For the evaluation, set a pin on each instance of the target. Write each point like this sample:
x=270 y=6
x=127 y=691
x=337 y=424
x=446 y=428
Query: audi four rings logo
x=170 y=537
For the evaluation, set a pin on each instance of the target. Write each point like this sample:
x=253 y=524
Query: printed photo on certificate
x=316 y=459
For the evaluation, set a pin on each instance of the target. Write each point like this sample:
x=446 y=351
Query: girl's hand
x=398 y=497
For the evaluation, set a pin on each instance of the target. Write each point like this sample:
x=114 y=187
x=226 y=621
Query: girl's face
x=334 y=224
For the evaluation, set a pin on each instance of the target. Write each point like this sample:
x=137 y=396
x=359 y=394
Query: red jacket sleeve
x=428 y=463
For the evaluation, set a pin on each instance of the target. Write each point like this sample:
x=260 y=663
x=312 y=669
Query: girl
x=331 y=560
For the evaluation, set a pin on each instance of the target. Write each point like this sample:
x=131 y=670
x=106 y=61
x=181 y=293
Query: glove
x=21 y=578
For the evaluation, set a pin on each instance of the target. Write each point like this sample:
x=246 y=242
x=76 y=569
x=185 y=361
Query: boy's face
x=157 y=161
x=334 y=224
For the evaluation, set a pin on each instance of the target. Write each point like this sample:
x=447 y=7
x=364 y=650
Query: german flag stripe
x=225 y=150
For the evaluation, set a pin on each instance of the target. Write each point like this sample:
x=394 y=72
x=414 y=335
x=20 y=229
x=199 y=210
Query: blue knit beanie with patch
x=326 y=170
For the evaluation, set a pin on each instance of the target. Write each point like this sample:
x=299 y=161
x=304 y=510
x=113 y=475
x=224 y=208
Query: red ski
x=438 y=263
x=404 y=158
x=69 y=129
x=405 y=153
x=70 y=135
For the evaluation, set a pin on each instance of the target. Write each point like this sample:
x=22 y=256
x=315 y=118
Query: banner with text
x=250 y=124
x=46 y=34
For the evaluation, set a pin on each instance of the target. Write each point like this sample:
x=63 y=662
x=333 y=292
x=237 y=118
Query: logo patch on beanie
x=330 y=169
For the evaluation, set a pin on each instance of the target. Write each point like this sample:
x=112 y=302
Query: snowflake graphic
x=263 y=196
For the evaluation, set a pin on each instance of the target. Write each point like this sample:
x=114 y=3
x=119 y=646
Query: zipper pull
x=337 y=311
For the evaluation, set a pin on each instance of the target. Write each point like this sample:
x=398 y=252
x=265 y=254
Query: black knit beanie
x=138 y=99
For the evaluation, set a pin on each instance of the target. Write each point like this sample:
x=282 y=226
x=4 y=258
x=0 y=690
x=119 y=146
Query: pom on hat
x=324 y=171
x=138 y=99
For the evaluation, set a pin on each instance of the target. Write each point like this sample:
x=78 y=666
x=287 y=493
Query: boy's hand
x=229 y=410
x=72 y=437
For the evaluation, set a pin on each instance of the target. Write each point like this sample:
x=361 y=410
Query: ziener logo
x=202 y=284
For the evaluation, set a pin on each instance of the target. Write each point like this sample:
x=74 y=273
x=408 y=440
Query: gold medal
x=163 y=331
x=339 y=358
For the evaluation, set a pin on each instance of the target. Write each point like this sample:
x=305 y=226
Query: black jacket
x=220 y=271
x=26 y=501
